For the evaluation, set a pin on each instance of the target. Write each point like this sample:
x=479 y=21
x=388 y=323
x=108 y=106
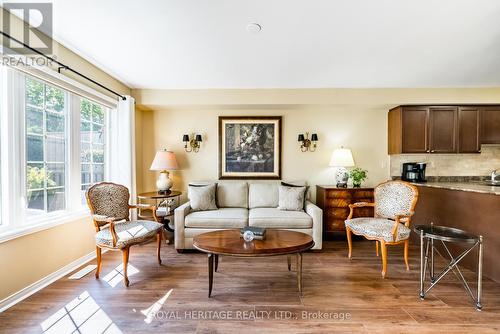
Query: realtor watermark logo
x=36 y=27
x=246 y=313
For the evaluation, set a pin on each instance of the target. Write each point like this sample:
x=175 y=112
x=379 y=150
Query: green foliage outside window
x=36 y=178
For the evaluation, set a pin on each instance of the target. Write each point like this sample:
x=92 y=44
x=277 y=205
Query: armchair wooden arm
x=358 y=205
x=400 y=219
x=145 y=206
x=103 y=219
x=100 y=220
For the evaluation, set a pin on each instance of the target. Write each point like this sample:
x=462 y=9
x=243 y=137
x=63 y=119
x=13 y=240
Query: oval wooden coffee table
x=229 y=242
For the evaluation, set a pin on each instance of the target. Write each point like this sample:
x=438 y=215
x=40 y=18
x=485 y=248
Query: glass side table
x=429 y=234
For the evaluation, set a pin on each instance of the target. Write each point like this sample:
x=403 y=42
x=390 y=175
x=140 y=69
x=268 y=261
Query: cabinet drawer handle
x=427 y=151
x=432 y=151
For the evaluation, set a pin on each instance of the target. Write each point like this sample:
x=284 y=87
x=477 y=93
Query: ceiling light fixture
x=254 y=28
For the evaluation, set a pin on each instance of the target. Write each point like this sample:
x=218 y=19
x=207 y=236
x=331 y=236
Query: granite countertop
x=463 y=186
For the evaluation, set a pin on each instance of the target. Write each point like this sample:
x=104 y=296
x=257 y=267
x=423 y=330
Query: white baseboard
x=42 y=283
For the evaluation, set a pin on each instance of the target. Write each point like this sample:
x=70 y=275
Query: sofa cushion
x=232 y=194
x=292 y=198
x=202 y=198
x=275 y=218
x=263 y=195
x=221 y=218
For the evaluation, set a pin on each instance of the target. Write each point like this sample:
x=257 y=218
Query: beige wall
x=355 y=118
x=336 y=125
x=28 y=259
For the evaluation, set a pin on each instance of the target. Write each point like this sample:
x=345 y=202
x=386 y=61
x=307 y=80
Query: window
x=53 y=146
x=92 y=144
x=45 y=115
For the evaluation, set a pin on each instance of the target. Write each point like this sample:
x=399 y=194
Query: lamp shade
x=198 y=138
x=342 y=157
x=185 y=138
x=314 y=137
x=164 y=160
x=301 y=137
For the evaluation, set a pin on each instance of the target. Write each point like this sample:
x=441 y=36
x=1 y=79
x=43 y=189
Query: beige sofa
x=243 y=204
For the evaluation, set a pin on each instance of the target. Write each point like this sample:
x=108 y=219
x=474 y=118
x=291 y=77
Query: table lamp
x=342 y=158
x=164 y=161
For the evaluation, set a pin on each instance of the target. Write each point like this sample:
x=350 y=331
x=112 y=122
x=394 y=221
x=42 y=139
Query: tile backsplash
x=452 y=164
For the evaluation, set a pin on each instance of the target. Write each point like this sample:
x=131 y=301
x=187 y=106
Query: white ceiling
x=303 y=44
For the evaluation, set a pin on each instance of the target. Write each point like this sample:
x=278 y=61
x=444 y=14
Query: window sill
x=8 y=233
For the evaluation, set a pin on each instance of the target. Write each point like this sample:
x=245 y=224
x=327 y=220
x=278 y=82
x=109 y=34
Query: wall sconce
x=194 y=143
x=307 y=144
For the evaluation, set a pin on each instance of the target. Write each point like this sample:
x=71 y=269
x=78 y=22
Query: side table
x=430 y=234
x=165 y=204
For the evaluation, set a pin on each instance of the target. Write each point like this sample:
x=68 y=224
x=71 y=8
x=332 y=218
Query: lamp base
x=163 y=183
x=341 y=177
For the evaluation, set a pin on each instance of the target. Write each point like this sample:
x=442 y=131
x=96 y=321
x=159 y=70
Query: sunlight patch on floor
x=81 y=315
x=151 y=311
x=116 y=275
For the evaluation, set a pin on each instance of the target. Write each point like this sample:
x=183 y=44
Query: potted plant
x=358 y=175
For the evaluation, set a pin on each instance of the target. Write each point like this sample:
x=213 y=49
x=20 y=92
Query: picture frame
x=250 y=147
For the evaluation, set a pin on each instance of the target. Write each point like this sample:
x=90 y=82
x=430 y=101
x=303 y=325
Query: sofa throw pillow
x=299 y=186
x=291 y=198
x=202 y=197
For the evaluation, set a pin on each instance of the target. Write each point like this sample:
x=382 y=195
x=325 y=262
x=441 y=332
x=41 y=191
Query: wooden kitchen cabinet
x=335 y=205
x=490 y=125
x=442 y=129
x=415 y=129
x=469 y=130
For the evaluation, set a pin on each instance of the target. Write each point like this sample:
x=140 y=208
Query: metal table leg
x=421 y=264
x=479 y=306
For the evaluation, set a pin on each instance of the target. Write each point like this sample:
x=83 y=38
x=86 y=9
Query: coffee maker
x=414 y=172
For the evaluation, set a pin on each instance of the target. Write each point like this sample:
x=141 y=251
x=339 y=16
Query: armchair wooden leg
x=376 y=247
x=384 y=257
x=158 y=239
x=407 y=246
x=125 y=253
x=349 y=240
x=99 y=261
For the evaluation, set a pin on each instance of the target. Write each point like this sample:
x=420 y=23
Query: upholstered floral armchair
x=394 y=204
x=110 y=209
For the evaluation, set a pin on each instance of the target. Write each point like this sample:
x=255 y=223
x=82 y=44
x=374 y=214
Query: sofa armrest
x=317 y=217
x=180 y=214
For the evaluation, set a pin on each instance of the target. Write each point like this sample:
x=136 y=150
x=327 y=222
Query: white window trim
x=12 y=141
x=47 y=222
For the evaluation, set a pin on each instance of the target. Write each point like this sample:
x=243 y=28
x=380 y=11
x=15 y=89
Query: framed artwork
x=250 y=147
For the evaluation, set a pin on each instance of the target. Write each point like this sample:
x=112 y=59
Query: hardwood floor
x=259 y=295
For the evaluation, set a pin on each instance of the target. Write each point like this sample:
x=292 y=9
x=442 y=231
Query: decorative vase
x=163 y=184
x=248 y=236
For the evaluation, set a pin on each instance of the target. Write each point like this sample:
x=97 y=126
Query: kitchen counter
x=469 y=206
x=476 y=187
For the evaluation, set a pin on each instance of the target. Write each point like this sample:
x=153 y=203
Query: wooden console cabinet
x=335 y=204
